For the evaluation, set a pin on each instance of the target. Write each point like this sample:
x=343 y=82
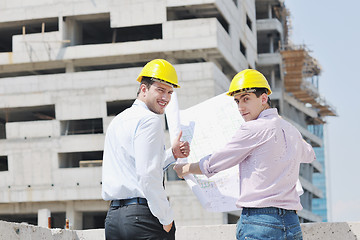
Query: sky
x=330 y=29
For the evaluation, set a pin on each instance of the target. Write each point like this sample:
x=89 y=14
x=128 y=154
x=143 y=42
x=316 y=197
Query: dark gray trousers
x=134 y=222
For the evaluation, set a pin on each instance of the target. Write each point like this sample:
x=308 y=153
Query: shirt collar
x=140 y=103
x=268 y=112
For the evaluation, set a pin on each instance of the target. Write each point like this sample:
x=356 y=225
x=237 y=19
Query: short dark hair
x=147 y=81
x=260 y=91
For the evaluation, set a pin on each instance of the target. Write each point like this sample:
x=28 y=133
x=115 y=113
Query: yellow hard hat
x=161 y=70
x=246 y=80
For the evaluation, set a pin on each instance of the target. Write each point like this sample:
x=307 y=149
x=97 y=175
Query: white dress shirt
x=134 y=158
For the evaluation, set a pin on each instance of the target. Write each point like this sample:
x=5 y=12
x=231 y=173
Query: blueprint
x=208 y=126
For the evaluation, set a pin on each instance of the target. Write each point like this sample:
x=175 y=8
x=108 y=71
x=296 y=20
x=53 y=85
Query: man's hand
x=167 y=228
x=182 y=169
x=180 y=148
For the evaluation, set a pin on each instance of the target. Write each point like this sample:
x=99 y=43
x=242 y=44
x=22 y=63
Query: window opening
x=84 y=126
x=80 y=159
x=4 y=163
x=242 y=48
x=116 y=107
x=248 y=22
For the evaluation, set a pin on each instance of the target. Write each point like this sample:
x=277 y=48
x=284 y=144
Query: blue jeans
x=268 y=223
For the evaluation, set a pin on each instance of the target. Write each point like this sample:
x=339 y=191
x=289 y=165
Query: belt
x=267 y=210
x=130 y=201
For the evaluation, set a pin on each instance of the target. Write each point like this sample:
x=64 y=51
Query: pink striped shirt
x=268 y=151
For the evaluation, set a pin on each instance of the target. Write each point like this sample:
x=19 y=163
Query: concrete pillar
x=72 y=30
x=272 y=80
x=269 y=11
x=69 y=67
x=75 y=217
x=43 y=216
x=271 y=43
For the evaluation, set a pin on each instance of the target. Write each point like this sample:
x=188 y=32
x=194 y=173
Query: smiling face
x=156 y=97
x=250 y=106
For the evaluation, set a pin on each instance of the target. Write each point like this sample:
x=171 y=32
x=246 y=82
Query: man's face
x=249 y=105
x=157 y=97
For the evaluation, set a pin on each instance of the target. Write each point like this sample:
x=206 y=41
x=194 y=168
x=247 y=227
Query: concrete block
x=36 y=46
x=82 y=106
x=189 y=28
x=121 y=93
x=23 y=231
x=98 y=234
x=218 y=232
x=26 y=100
x=125 y=13
x=34 y=129
x=106 y=122
x=6 y=58
x=178 y=3
x=311 y=231
x=80 y=143
x=269 y=24
x=43 y=215
x=335 y=230
x=32 y=167
x=65 y=178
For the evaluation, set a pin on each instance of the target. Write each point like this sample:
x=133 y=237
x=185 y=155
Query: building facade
x=67 y=67
x=319 y=205
x=294 y=77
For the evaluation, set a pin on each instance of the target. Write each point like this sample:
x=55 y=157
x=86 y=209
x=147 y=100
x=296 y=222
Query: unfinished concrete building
x=67 y=67
x=294 y=78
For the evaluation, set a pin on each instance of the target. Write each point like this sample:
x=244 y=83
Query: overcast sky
x=331 y=30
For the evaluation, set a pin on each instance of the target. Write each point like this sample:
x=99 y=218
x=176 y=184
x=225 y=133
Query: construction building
x=294 y=76
x=320 y=180
x=67 y=67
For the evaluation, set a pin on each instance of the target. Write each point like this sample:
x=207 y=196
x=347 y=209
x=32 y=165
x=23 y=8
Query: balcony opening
x=57 y=218
x=262 y=10
x=93 y=220
x=110 y=66
x=31 y=26
x=197 y=11
x=99 y=32
x=248 y=22
x=268 y=42
x=116 y=107
x=232 y=219
x=138 y=33
x=189 y=60
x=105 y=66
x=2 y=129
x=21 y=218
x=4 y=164
x=84 y=126
x=96 y=32
x=80 y=159
x=32 y=72
x=23 y=114
x=242 y=48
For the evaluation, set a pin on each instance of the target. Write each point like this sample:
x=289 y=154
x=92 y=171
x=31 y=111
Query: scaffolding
x=300 y=69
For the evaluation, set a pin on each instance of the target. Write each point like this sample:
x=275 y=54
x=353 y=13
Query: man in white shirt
x=135 y=159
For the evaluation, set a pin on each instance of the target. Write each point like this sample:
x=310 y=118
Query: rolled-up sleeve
x=149 y=160
x=308 y=153
x=232 y=154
